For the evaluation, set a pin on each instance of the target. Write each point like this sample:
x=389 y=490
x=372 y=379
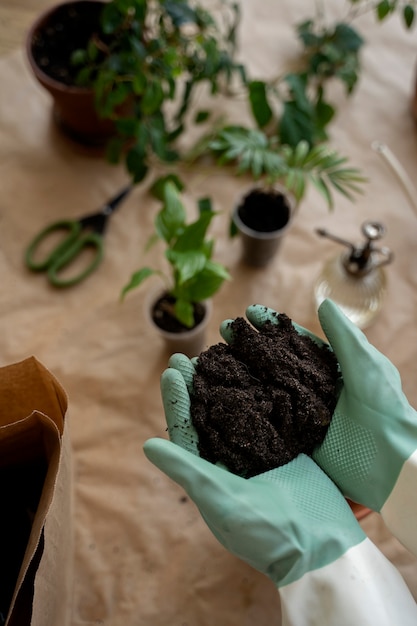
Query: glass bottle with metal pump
x=355 y=280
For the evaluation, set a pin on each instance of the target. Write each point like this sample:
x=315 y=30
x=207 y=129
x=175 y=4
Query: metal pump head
x=363 y=257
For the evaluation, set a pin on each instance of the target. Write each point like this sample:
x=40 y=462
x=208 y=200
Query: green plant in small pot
x=138 y=62
x=181 y=310
x=281 y=175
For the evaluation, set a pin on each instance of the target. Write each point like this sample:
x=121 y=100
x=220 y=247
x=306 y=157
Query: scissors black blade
x=98 y=221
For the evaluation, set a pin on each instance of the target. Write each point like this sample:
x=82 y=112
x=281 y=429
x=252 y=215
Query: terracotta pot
x=262 y=217
x=73 y=107
x=187 y=341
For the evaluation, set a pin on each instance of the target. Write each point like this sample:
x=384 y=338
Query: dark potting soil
x=264 y=210
x=69 y=29
x=163 y=316
x=260 y=402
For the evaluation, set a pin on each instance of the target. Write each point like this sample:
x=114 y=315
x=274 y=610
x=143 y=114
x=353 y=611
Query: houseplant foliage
x=150 y=53
x=330 y=52
x=265 y=158
x=194 y=277
x=149 y=56
x=288 y=142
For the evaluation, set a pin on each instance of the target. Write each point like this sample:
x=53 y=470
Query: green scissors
x=73 y=244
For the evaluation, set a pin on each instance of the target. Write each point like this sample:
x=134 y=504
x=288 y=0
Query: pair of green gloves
x=294 y=519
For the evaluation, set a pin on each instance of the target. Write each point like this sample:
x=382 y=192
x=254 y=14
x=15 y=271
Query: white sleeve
x=400 y=510
x=360 y=588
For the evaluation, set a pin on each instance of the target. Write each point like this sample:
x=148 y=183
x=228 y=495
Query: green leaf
x=305 y=31
x=92 y=50
x=296 y=125
x=158 y=187
x=139 y=84
x=84 y=77
x=260 y=107
x=233 y=230
x=192 y=235
x=153 y=98
x=187 y=264
x=297 y=84
x=136 y=163
x=137 y=279
x=153 y=239
x=324 y=113
x=114 y=98
x=180 y=12
x=323 y=189
x=301 y=152
x=170 y=221
x=207 y=282
x=79 y=57
x=408 y=15
x=347 y=39
x=205 y=204
x=158 y=140
x=111 y=18
x=201 y=116
x=383 y=9
x=184 y=311
x=128 y=126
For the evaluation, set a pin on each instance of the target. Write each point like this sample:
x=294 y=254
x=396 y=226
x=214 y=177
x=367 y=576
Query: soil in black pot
x=163 y=315
x=264 y=210
x=260 y=402
x=69 y=28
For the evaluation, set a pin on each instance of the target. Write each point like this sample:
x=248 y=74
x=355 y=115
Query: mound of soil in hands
x=260 y=402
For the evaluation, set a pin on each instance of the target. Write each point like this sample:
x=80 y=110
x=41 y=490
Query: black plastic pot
x=262 y=217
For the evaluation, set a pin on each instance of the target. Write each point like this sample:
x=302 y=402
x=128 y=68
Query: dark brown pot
x=73 y=107
x=262 y=217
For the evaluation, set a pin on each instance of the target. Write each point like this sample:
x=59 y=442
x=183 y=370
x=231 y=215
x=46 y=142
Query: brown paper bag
x=36 y=498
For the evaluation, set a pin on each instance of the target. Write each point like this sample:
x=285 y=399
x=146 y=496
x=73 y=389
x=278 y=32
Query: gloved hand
x=285 y=522
x=374 y=429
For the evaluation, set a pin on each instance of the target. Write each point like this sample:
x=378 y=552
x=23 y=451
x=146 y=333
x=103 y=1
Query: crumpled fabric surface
x=143 y=556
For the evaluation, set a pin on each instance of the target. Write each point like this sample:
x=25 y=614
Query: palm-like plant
x=252 y=151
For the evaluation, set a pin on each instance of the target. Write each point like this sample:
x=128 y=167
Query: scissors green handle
x=73 y=244
x=65 y=252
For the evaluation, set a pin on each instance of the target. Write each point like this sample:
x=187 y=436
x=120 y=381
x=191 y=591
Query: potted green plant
x=50 y=43
x=281 y=175
x=180 y=311
x=128 y=60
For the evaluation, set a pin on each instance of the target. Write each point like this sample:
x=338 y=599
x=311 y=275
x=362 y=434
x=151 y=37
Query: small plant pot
x=262 y=217
x=178 y=338
x=49 y=44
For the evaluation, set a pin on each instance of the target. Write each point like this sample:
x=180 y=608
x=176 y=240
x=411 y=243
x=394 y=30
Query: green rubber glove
x=374 y=429
x=284 y=523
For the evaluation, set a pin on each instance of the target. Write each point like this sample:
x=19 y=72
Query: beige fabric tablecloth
x=142 y=554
